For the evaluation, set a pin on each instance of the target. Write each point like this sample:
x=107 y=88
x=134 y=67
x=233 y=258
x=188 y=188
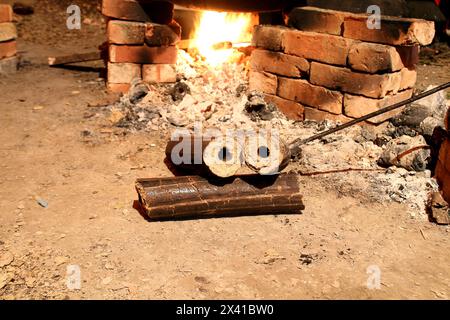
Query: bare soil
x=86 y=172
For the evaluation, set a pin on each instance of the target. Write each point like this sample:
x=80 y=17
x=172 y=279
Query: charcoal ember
x=325 y=125
x=417 y=118
x=410 y=153
x=424 y=115
x=368 y=135
x=381 y=140
x=240 y=90
x=137 y=92
x=378 y=138
x=137 y=118
x=179 y=91
x=402 y=131
x=411 y=117
x=365 y=135
x=331 y=139
x=307 y=123
x=429 y=124
x=258 y=109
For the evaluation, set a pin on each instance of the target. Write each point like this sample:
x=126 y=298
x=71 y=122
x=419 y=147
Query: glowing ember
x=217 y=32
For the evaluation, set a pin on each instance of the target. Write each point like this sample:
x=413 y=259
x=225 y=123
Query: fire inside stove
x=218 y=36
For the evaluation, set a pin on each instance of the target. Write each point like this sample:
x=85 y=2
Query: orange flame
x=222 y=27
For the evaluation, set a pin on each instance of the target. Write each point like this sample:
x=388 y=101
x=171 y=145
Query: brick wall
x=443 y=164
x=8 y=36
x=142 y=42
x=330 y=65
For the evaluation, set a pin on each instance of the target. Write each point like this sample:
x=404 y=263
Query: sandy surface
x=88 y=182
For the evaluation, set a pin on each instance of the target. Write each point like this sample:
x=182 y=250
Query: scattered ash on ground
x=361 y=160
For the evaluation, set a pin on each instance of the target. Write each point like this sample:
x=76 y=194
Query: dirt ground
x=86 y=172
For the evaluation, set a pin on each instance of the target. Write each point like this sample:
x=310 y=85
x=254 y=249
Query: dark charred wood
x=194 y=196
x=195 y=164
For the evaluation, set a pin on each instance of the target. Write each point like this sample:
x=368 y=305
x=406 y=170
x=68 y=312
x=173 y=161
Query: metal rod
x=296 y=144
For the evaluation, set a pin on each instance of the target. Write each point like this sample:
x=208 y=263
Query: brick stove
x=326 y=65
x=8 y=36
x=138 y=48
x=330 y=65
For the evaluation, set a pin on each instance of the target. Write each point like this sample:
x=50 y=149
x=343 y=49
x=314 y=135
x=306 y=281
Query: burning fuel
x=218 y=33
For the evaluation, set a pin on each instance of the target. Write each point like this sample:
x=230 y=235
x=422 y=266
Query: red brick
x=409 y=55
x=126 y=32
x=443 y=177
x=8 y=49
x=369 y=85
x=8 y=31
x=6 y=13
x=123 y=72
x=292 y=110
x=447 y=120
x=159 y=73
x=438 y=172
x=162 y=35
x=268 y=37
x=153 y=11
x=394 y=31
x=314 y=96
x=444 y=150
x=316 y=20
x=143 y=54
x=409 y=78
x=317 y=46
x=263 y=82
x=388 y=7
x=446 y=186
x=119 y=87
x=279 y=63
x=373 y=58
x=318 y=115
x=124 y=10
x=444 y=154
x=358 y=106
